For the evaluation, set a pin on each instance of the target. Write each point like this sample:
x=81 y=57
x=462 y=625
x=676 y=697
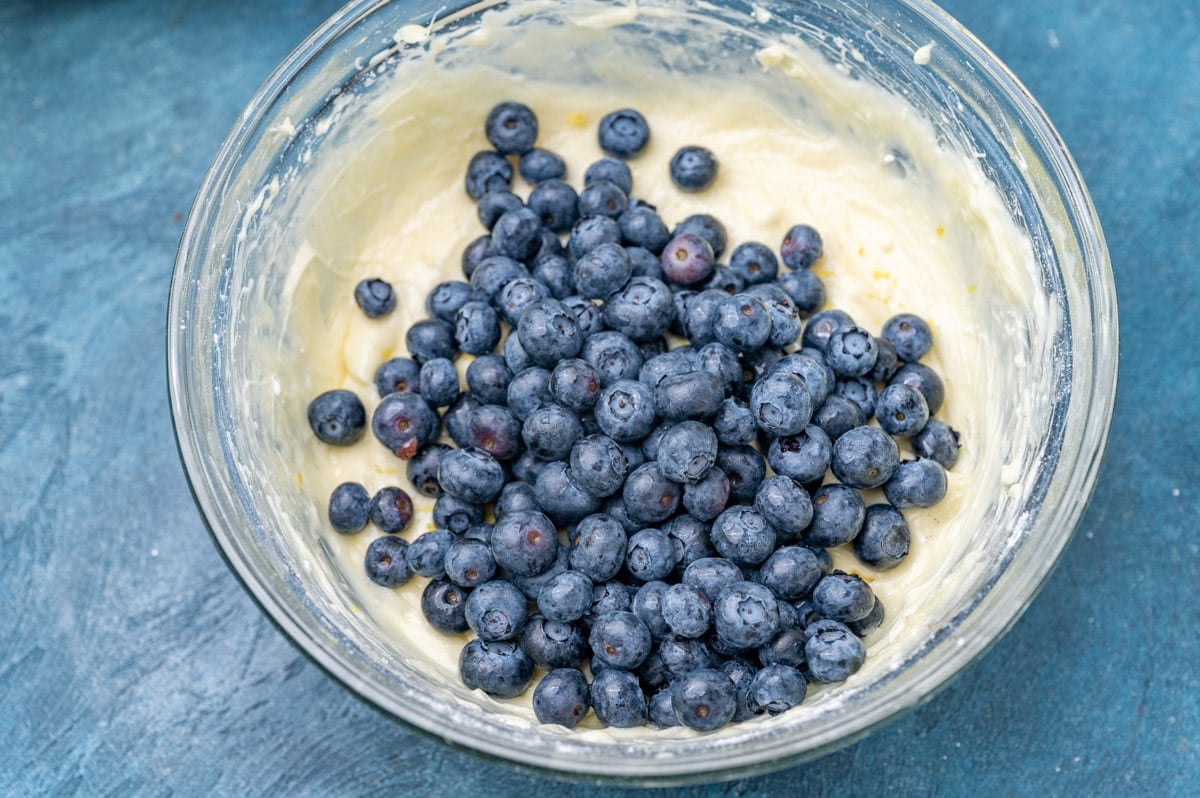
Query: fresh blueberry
x=404 y=423
x=439 y=382
x=901 y=410
x=444 y=605
x=687 y=451
x=677 y=361
x=842 y=597
x=560 y=497
x=397 y=375
x=700 y=315
x=851 y=351
x=472 y=475
x=734 y=423
x=741 y=673
x=865 y=626
x=515 y=356
x=619 y=640
x=488 y=171
x=515 y=497
x=614 y=356
x=598 y=465
x=422 y=469
x=538 y=165
x=602 y=271
x=562 y=697
x=650 y=555
x=495 y=204
x=491 y=275
x=937 y=442
x=476 y=328
x=625 y=411
x=589 y=233
x=609 y=597
x=495 y=430
x=617 y=699
x=917 y=483
x=554 y=272
x=385 y=563
x=525 y=543
x=644 y=263
x=529 y=390
x=611 y=169
x=686 y=611
x=687 y=259
x=781 y=404
x=337 y=417
x=496 y=610
x=754 y=263
x=803 y=456
x=624 y=133
x=742 y=323
x=457 y=419
x=745 y=615
x=693 y=168
x=599 y=548
x=785 y=505
x=511 y=128
x=588 y=316
x=427 y=554
x=660 y=710
x=642 y=310
x=791 y=572
x=683 y=655
x=475 y=253
x=517 y=234
x=647 y=605
x=708 y=497
x=501 y=669
x=838 y=514
x=516 y=295
x=349 y=507
x=446 y=298
x=641 y=226
x=722 y=362
x=859 y=390
x=911 y=336
x=925 y=380
x=777 y=688
x=556 y=204
x=707 y=227
x=806 y=289
x=488 y=378
x=865 y=457
x=787 y=647
x=469 y=563
x=553 y=644
x=802 y=247
x=883 y=541
x=837 y=415
x=833 y=652
x=391 y=509
x=745 y=468
x=602 y=198
x=742 y=535
x=566 y=597
x=704 y=700
x=785 y=318
x=549 y=333
x=551 y=431
x=375 y=297
x=692 y=394
x=455 y=514
x=649 y=496
x=822 y=325
x=887 y=362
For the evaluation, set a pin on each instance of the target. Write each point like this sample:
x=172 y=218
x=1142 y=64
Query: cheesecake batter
x=909 y=225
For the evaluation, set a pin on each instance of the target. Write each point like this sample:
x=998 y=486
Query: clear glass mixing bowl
x=225 y=282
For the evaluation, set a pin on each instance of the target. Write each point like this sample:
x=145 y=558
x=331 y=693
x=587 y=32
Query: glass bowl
x=230 y=407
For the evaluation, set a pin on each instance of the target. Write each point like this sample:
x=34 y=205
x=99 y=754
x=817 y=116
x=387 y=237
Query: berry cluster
x=606 y=510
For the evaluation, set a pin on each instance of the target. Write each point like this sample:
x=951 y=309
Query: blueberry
x=704 y=700
x=385 y=562
x=488 y=378
x=515 y=497
x=624 y=133
x=785 y=318
x=404 y=423
x=562 y=697
x=742 y=323
x=911 y=336
x=529 y=390
x=619 y=640
x=548 y=333
x=649 y=496
x=525 y=543
x=693 y=168
x=349 y=507
x=443 y=604
x=887 y=362
x=517 y=234
x=555 y=204
x=446 y=298
x=337 y=417
x=833 y=652
x=560 y=497
x=925 y=380
x=917 y=483
x=391 y=509
x=554 y=272
x=599 y=548
x=491 y=275
x=901 y=410
x=743 y=536
x=422 y=469
x=708 y=497
x=511 y=128
x=677 y=361
x=722 y=362
x=613 y=356
x=661 y=711
x=822 y=325
x=686 y=611
x=609 y=597
x=496 y=610
x=683 y=655
x=430 y=338
x=565 y=597
x=641 y=226
x=516 y=295
x=865 y=457
x=838 y=514
x=625 y=411
x=647 y=605
x=883 y=541
x=745 y=468
x=602 y=271
x=741 y=673
x=787 y=647
x=588 y=316
x=842 y=597
x=725 y=280
x=859 y=390
x=802 y=247
x=698 y=321
x=650 y=555
x=781 y=404
x=598 y=465
x=687 y=451
x=472 y=475
x=754 y=263
x=804 y=456
x=495 y=204
x=488 y=171
x=687 y=259
x=527 y=466
x=538 y=165
x=791 y=572
x=602 y=198
x=397 y=375
x=553 y=644
x=479 y=250
x=851 y=351
x=455 y=514
x=838 y=415
x=501 y=669
x=785 y=505
x=937 y=442
x=777 y=688
x=457 y=419
x=745 y=615
x=375 y=297
x=589 y=233
x=707 y=227
x=495 y=430
x=806 y=290
x=469 y=563
x=515 y=356
x=692 y=394
x=644 y=263
x=439 y=382
x=426 y=555
x=617 y=699
x=642 y=310
x=865 y=626
x=551 y=431
x=734 y=423
x=611 y=169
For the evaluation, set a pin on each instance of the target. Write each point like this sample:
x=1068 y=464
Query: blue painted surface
x=133 y=663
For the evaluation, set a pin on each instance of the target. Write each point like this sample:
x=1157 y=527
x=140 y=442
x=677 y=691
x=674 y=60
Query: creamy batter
x=909 y=226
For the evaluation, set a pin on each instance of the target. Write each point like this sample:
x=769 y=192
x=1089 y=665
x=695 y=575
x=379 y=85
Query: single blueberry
x=515 y=497
x=554 y=272
x=822 y=325
x=851 y=351
x=457 y=419
x=404 y=423
x=693 y=168
x=566 y=597
x=911 y=336
x=734 y=423
x=708 y=497
x=496 y=610
x=511 y=128
x=647 y=604
x=488 y=377
x=527 y=466
x=617 y=699
x=560 y=497
x=683 y=655
x=700 y=317
x=625 y=411
x=644 y=263
x=624 y=133
x=562 y=697
x=687 y=451
x=916 y=483
x=598 y=551
x=349 y=507
x=515 y=356
x=687 y=611
x=501 y=669
x=786 y=325
x=525 y=543
x=611 y=169
x=588 y=316
x=391 y=509
x=488 y=171
x=806 y=290
x=491 y=275
x=386 y=564
x=642 y=310
x=925 y=380
x=422 y=469
x=785 y=648
x=777 y=688
x=842 y=597
x=479 y=250
x=641 y=226
x=556 y=204
x=446 y=298
x=743 y=536
x=901 y=410
x=859 y=390
x=865 y=457
x=833 y=652
x=687 y=259
x=337 y=417
x=745 y=468
x=791 y=572
x=707 y=227
x=517 y=234
x=938 y=442
x=598 y=465
x=553 y=644
x=375 y=297
x=837 y=415
x=472 y=475
x=785 y=505
x=495 y=204
x=704 y=700
x=398 y=375
x=444 y=605
x=619 y=640
x=602 y=198
x=427 y=554
x=469 y=563
x=455 y=514
x=680 y=360
x=689 y=395
x=742 y=323
x=602 y=271
x=883 y=541
x=529 y=390
x=551 y=431
x=660 y=709
x=430 y=338
x=589 y=233
x=548 y=333
x=516 y=295
x=754 y=262
x=745 y=615
x=538 y=165
x=439 y=382
x=614 y=356
x=650 y=555
x=781 y=404
x=649 y=496
x=838 y=514
x=802 y=247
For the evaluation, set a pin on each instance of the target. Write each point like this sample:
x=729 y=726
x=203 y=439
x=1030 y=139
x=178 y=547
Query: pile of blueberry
x=606 y=511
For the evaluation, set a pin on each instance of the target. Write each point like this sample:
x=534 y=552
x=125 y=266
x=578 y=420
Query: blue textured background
x=132 y=661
